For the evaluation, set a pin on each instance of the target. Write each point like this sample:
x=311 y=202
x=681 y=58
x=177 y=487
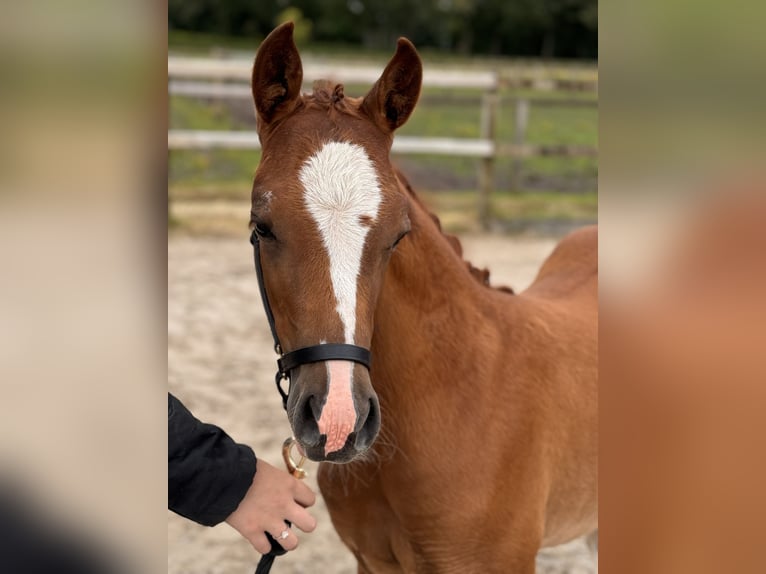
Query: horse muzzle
x=333 y=410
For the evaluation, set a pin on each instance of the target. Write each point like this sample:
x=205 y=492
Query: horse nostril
x=305 y=421
x=374 y=415
x=370 y=427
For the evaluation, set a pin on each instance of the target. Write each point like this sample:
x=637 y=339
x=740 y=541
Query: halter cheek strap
x=313 y=354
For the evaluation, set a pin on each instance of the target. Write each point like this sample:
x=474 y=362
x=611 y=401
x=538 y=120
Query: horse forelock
x=330 y=96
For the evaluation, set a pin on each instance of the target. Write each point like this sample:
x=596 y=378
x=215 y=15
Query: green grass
x=201 y=166
x=186 y=113
x=212 y=166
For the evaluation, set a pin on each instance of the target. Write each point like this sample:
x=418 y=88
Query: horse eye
x=263 y=231
x=398 y=239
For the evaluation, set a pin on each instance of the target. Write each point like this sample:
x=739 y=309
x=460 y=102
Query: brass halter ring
x=296 y=469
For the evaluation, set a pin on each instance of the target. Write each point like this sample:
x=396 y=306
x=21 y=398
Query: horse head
x=328 y=211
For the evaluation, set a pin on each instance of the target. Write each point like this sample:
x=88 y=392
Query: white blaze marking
x=340 y=188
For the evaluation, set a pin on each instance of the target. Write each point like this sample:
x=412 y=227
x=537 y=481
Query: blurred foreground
x=82 y=296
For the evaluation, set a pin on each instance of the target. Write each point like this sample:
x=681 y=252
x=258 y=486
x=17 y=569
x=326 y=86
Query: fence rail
x=541 y=78
x=209 y=139
x=242 y=69
x=241 y=91
x=486 y=148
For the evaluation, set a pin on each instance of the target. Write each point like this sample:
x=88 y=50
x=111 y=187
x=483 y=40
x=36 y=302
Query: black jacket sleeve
x=208 y=473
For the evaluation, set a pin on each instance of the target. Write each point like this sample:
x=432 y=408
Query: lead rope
x=297 y=470
x=267 y=560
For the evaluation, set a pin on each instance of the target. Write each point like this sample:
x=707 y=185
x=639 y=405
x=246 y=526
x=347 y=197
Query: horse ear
x=277 y=75
x=393 y=97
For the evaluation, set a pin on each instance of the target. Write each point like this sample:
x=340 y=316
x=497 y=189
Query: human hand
x=274 y=497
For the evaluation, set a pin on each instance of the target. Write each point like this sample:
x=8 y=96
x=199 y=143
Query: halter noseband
x=313 y=354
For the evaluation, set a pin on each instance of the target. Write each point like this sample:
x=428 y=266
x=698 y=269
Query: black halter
x=313 y=354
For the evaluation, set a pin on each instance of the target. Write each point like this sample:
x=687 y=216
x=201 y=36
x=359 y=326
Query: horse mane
x=481 y=275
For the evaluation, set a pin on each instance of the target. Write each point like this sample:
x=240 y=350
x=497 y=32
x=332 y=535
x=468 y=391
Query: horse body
x=472 y=440
x=488 y=446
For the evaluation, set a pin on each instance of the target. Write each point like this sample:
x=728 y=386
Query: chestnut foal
x=483 y=403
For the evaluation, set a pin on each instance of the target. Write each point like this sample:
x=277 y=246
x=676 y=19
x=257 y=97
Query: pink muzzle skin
x=338 y=416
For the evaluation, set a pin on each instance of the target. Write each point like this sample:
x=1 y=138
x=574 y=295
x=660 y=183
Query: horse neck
x=427 y=305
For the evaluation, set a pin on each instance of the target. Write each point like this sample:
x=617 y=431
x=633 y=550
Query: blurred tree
x=457 y=14
x=335 y=21
x=302 y=32
x=232 y=17
x=547 y=28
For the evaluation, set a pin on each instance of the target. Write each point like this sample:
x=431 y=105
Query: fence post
x=519 y=136
x=487 y=164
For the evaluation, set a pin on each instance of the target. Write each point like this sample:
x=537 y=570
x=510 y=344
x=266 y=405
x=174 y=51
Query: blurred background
x=83 y=368
x=504 y=138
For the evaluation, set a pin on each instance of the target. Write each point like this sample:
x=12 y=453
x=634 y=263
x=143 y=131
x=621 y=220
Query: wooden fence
x=487 y=149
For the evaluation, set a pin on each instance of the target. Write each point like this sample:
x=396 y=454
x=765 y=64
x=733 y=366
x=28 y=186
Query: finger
x=286 y=538
x=304 y=495
x=260 y=542
x=300 y=517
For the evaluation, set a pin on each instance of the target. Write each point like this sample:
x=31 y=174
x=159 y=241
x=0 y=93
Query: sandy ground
x=220 y=364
